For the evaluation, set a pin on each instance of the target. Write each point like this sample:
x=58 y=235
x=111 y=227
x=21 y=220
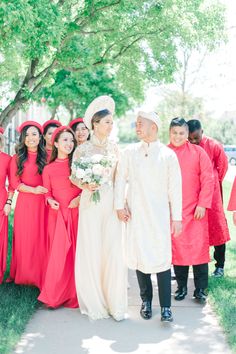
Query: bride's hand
x=123 y=215
x=92 y=187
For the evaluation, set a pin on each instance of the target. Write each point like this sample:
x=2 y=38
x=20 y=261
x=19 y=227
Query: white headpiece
x=98 y=104
x=151 y=116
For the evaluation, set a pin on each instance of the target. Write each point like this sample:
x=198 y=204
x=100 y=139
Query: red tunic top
x=218 y=228
x=29 y=237
x=232 y=199
x=4 y=174
x=192 y=246
x=59 y=286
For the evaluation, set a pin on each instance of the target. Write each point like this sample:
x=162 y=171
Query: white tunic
x=154 y=197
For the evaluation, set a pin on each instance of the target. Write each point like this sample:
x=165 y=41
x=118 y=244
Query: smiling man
x=192 y=246
x=154 y=193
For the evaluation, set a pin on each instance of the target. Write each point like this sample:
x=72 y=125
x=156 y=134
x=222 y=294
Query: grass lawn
x=18 y=303
x=222 y=292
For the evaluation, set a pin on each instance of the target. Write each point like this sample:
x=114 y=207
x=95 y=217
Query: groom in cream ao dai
x=152 y=210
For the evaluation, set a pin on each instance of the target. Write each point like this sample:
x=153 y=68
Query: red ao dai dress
x=29 y=248
x=191 y=247
x=232 y=199
x=59 y=286
x=218 y=228
x=4 y=174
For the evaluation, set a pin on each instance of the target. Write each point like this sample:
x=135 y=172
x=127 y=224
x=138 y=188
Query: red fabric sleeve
x=15 y=181
x=10 y=188
x=232 y=199
x=206 y=180
x=47 y=183
x=221 y=161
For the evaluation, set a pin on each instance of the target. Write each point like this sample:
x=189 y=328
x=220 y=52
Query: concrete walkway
x=63 y=331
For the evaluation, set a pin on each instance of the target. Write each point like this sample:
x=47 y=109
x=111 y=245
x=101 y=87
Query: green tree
x=136 y=40
x=171 y=106
x=76 y=90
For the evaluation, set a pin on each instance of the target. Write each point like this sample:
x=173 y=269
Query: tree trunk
x=54 y=111
x=10 y=111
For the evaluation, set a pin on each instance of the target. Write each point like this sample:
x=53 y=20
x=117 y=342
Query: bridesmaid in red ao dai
x=29 y=236
x=48 y=128
x=63 y=199
x=5 y=204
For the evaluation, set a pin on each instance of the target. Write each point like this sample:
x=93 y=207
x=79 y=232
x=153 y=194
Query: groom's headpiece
x=151 y=116
x=98 y=104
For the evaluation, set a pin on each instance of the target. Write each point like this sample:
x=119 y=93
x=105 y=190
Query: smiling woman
x=29 y=237
x=63 y=200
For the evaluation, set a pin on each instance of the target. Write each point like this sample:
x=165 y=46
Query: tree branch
x=46 y=70
x=96 y=32
x=122 y=50
x=101 y=9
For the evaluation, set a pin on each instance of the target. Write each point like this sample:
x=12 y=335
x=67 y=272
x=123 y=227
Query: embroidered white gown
x=100 y=271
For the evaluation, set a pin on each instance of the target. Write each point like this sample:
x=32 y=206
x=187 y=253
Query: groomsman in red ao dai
x=191 y=247
x=218 y=228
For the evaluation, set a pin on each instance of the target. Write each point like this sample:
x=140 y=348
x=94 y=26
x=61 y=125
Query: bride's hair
x=99 y=115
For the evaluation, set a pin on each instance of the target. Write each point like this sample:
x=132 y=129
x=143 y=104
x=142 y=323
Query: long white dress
x=100 y=271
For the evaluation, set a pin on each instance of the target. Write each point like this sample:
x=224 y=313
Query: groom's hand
x=176 y=228
x=123 y=215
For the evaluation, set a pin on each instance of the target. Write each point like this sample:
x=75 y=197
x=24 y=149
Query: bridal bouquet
x=96 y=169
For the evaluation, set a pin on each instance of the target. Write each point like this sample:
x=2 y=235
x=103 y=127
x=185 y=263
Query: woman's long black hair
x=55 y=150
x=51 y=125
x=75 y=125
x=22 y=152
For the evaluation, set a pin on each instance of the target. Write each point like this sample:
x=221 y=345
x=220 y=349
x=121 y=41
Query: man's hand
x=176 y=228
x=199 y=213
x=53 y=203
x=123 y=215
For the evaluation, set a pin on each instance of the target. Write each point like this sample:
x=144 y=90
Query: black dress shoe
x=218 y=273
x=200 y=295
x=180 y=293
x=146 y=310
x=166 y=314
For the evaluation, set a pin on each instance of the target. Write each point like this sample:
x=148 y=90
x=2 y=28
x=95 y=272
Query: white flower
x=87 y=179
x=96 y=158
x=88 y=171
x=97 y=169
x=80 y=173
x=106 y=172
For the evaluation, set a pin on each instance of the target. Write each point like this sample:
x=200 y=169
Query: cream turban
x=151 y=116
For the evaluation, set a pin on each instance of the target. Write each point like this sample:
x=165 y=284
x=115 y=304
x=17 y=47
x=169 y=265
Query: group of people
x=161 y=205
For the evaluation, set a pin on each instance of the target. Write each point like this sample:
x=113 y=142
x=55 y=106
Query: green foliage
x=17 y=304
x=76 y=90
x=136 y=40
x=223 y=130
x=222 y=291
x=175 y=104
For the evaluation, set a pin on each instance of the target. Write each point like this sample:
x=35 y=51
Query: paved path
x=195 y=330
